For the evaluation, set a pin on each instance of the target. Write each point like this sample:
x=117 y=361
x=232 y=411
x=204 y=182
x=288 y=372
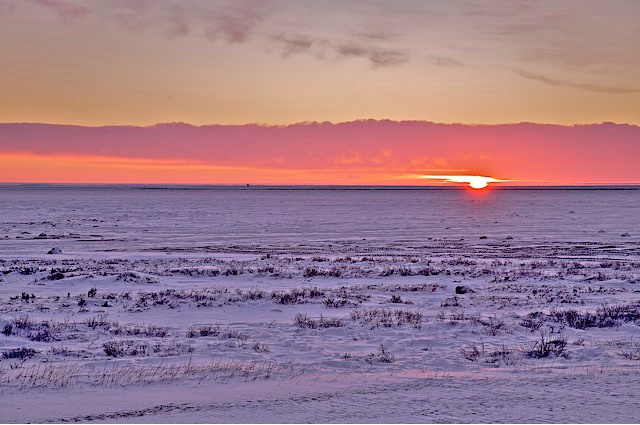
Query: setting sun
x=475 y=182
x=478 y=183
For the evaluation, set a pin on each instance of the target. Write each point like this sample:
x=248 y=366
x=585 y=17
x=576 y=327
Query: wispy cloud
x=130 y=15
x=377 y=35
x=178 y=22
x=6 y=7
x=584 y=86
x=377 y=56
x=65 y=9
x=299 y=43
x=231 y=21
x=236 y=21
x=445 y=61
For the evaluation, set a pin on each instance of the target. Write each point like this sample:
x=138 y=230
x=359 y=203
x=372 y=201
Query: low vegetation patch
x=547 y=345
x=19 y=353
x=297 y=295
x=383 y=355
x=632 y=352
x=140 y=348
x=387 y=317
x=497 y=355
x=534 y=320
x=61 y=375
x=603 y=317
x=35 y=331
x=492 y=325
x=305 y=322
x=336 y=303
x=152 y=331
x=259 y=347
x=196 y=331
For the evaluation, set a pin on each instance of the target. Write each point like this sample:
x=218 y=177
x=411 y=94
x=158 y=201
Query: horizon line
x=332 y=186
x=313 y=122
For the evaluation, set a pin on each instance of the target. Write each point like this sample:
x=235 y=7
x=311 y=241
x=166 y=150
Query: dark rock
x=463 y=289
x=55 y=250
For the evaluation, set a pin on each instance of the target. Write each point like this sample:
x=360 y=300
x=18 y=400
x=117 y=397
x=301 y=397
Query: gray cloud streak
x=445 y=61
x=298 y=43
x=377 y=56
x=584 y=86
x=236 y=22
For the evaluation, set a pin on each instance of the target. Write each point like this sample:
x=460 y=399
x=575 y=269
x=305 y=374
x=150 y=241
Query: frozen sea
x=298 y=219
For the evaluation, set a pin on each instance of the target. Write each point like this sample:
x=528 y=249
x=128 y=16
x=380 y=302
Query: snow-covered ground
x=254 y=305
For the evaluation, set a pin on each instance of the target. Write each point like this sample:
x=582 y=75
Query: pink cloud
x=599 y=153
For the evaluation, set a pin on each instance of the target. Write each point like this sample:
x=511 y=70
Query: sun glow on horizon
x=475 y=182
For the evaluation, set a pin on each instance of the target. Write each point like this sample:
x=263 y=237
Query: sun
x=475 y=182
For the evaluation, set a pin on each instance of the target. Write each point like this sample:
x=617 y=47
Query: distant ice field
x=194 y=219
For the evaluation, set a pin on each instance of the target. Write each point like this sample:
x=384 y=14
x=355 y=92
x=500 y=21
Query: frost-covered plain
x=272 y=305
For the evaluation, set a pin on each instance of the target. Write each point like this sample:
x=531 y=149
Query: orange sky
x=134 y=63
x=361 y=152
x=139 y=62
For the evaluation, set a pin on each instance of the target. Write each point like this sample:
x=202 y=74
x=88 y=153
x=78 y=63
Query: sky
x=277 y=63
